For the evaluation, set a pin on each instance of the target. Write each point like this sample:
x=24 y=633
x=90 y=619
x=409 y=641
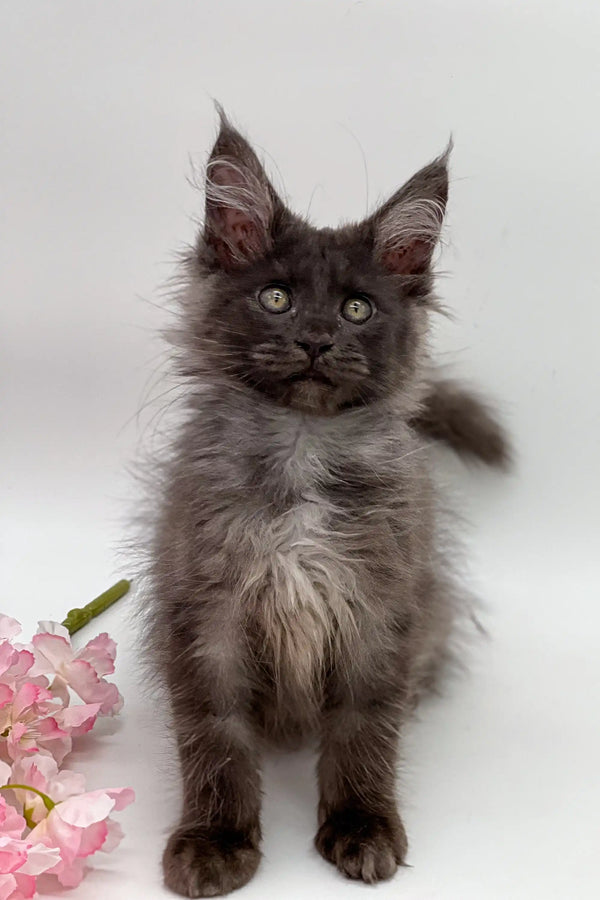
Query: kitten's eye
x=275 y=299
x=357 y=309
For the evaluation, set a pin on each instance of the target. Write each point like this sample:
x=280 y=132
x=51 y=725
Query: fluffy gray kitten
x=297 y=585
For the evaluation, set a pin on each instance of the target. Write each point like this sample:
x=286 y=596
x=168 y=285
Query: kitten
x=297 y=587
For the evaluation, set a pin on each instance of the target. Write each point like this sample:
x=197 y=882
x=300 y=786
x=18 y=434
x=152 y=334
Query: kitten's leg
x=215 y=848
x=360 y=829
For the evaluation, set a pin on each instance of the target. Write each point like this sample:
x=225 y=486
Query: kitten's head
x=318 y=319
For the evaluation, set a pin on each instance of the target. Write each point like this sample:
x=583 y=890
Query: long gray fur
x=297 y=583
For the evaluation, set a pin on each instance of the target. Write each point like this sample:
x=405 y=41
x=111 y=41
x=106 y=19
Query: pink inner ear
x=234 y=225
x=226 y=174
x=412 y=259
x=240 y=229
x=235 y=236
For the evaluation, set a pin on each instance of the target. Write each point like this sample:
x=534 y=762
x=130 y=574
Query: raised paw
x=210 y=862
x=361 y=844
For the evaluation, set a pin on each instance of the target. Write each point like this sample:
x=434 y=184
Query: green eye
x=275 y=299
x=357 y=309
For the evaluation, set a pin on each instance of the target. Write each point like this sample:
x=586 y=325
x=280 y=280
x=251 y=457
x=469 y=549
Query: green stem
x=77 y=618
x=48 y=803
x=28 y=812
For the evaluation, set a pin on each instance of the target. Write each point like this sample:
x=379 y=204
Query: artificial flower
x=49 y=824
x=33 y=720
x=81 y=670
x=79 y=827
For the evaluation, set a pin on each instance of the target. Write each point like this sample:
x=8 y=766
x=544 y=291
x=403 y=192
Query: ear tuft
x=407 y=227
x=407 y=235
x=240 y=201
x=239 y=212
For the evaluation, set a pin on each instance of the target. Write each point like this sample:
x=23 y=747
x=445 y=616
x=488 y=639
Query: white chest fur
x=301 y=577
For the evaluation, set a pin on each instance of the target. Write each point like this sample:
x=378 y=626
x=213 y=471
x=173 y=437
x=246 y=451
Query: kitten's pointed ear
x=407 y=227
x=241 y=204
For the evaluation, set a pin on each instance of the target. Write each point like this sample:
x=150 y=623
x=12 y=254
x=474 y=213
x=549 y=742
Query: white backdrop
x=102 y=106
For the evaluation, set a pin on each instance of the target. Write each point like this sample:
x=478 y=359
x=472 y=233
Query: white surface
x=102 y=103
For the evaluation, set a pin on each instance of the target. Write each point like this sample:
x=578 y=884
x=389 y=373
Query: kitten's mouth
x=310 y=375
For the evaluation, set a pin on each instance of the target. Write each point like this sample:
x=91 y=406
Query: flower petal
x=93 y=838
x=122 y=796
x=17 y=887
x=26 y=887
x=39 y=859
x=8 y=656
x=17 y=742
x=6 y=695
x=53 y=832
x=86 y=809
x=23 y=663
x=67 y=784
x=59 y=690
x=12 y=824
x=50 y=730
x=5 y=773
x=81 y=718
x=58 y=747
x=114 y=836
x=8 y=884
x=51 y=652
x=26 y=696
x=13 y=854
x=37 y=772
x=47 y=626
x=71 y=875
x=100 y=652
x=84 y=681
x=9 y=628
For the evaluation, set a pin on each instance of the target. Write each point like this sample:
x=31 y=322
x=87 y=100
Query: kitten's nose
x=315 y=346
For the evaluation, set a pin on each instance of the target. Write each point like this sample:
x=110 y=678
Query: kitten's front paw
x=362 y=845
x=208 y=863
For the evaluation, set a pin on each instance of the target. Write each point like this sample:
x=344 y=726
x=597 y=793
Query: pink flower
x=20 y=860
x=15 y=662
x=9 y=628
x=60 y=825
x=82 y=671
x=26 y=721
x=41 y=772
x=6 y=695
x=17 y=887
x=20 y=863
x=32 y=720
x=79 y=827
x=11 y=823
x=26 y=857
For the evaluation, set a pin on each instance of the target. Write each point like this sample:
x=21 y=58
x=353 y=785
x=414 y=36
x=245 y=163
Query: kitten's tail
x=464 y=422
